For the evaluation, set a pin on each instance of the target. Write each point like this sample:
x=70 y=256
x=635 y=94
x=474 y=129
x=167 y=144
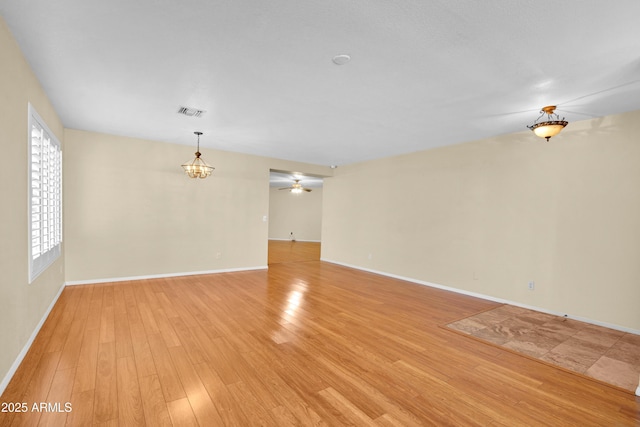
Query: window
x=45 y=195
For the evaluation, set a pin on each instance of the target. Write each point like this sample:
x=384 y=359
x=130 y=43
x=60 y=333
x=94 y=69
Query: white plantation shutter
x=45 y=199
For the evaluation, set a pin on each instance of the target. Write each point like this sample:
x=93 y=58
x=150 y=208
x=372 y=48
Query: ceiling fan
x=296 y=187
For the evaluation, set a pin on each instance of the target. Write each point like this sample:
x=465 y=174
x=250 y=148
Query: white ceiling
x=423 y=73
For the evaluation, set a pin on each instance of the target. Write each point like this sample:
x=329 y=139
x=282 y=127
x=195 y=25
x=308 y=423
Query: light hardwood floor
x=304 y=343
x=293 y=251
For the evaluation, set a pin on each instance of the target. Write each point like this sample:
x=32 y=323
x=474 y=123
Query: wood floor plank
x=95 y=308
x=332 y=373
x=40 y=383
x=130 y=410
x=154 y=405
x=437 y=406
x=203 y=408
x=107 y=324
x=181 y=413
x=71 y=350
x=122 y=335
x=166 y=305
x=384 y=401
x=167 y=374
x=148 y=319
x=151 y=296
x=229 y=409
x=284 y=417
x=60 y=333
x=119 y=302
x=139 y=342
x=386 y=420
x=166 y=329
x=84 y=303
x=16 y=387
x=257 y=414
x=110 y=423
x=346 y=407
x=82 y=409
x=59 y=396
x=286 y=395
x=302 y=343
x=106 y=391
x=145 y=365
x=179 y=302
x=222 y=360
x=198 y=343
x=188 y=340
x=108 y=296
x=36 y=391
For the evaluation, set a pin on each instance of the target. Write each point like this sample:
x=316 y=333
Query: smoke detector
x=341 y=59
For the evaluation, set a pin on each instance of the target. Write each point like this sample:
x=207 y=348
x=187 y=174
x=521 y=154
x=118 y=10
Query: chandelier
x=551 y=127
x=197 y=168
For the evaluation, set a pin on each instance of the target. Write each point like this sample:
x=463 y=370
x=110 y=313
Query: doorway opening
x=295 y=217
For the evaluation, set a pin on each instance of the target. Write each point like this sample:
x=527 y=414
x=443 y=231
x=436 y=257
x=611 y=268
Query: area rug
x=604 y=354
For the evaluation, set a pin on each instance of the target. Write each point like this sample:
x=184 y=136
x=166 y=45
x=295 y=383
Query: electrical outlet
x=532 y=285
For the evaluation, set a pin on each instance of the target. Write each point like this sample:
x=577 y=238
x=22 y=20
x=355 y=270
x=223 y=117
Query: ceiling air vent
x=190 y=112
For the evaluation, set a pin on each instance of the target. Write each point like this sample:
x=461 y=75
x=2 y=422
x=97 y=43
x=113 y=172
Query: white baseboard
x=27 y=346
x=161 y=276
x=489 y=298
x=296 y=240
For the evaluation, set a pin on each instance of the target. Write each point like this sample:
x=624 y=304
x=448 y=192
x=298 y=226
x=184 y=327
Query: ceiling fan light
x=296 y=187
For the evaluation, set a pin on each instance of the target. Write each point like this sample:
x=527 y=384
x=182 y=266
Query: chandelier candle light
x=551 y=127
x=197 y=168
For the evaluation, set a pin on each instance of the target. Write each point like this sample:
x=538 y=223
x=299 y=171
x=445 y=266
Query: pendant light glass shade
x=197 y=168
x=548 y=128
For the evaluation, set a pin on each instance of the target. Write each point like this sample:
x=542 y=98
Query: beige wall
x=491 y=215
x=297 y=213
x=22 y=305
x=131 y=211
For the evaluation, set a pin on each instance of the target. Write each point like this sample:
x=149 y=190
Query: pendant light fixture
x=551 y=127
x=197 y=168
